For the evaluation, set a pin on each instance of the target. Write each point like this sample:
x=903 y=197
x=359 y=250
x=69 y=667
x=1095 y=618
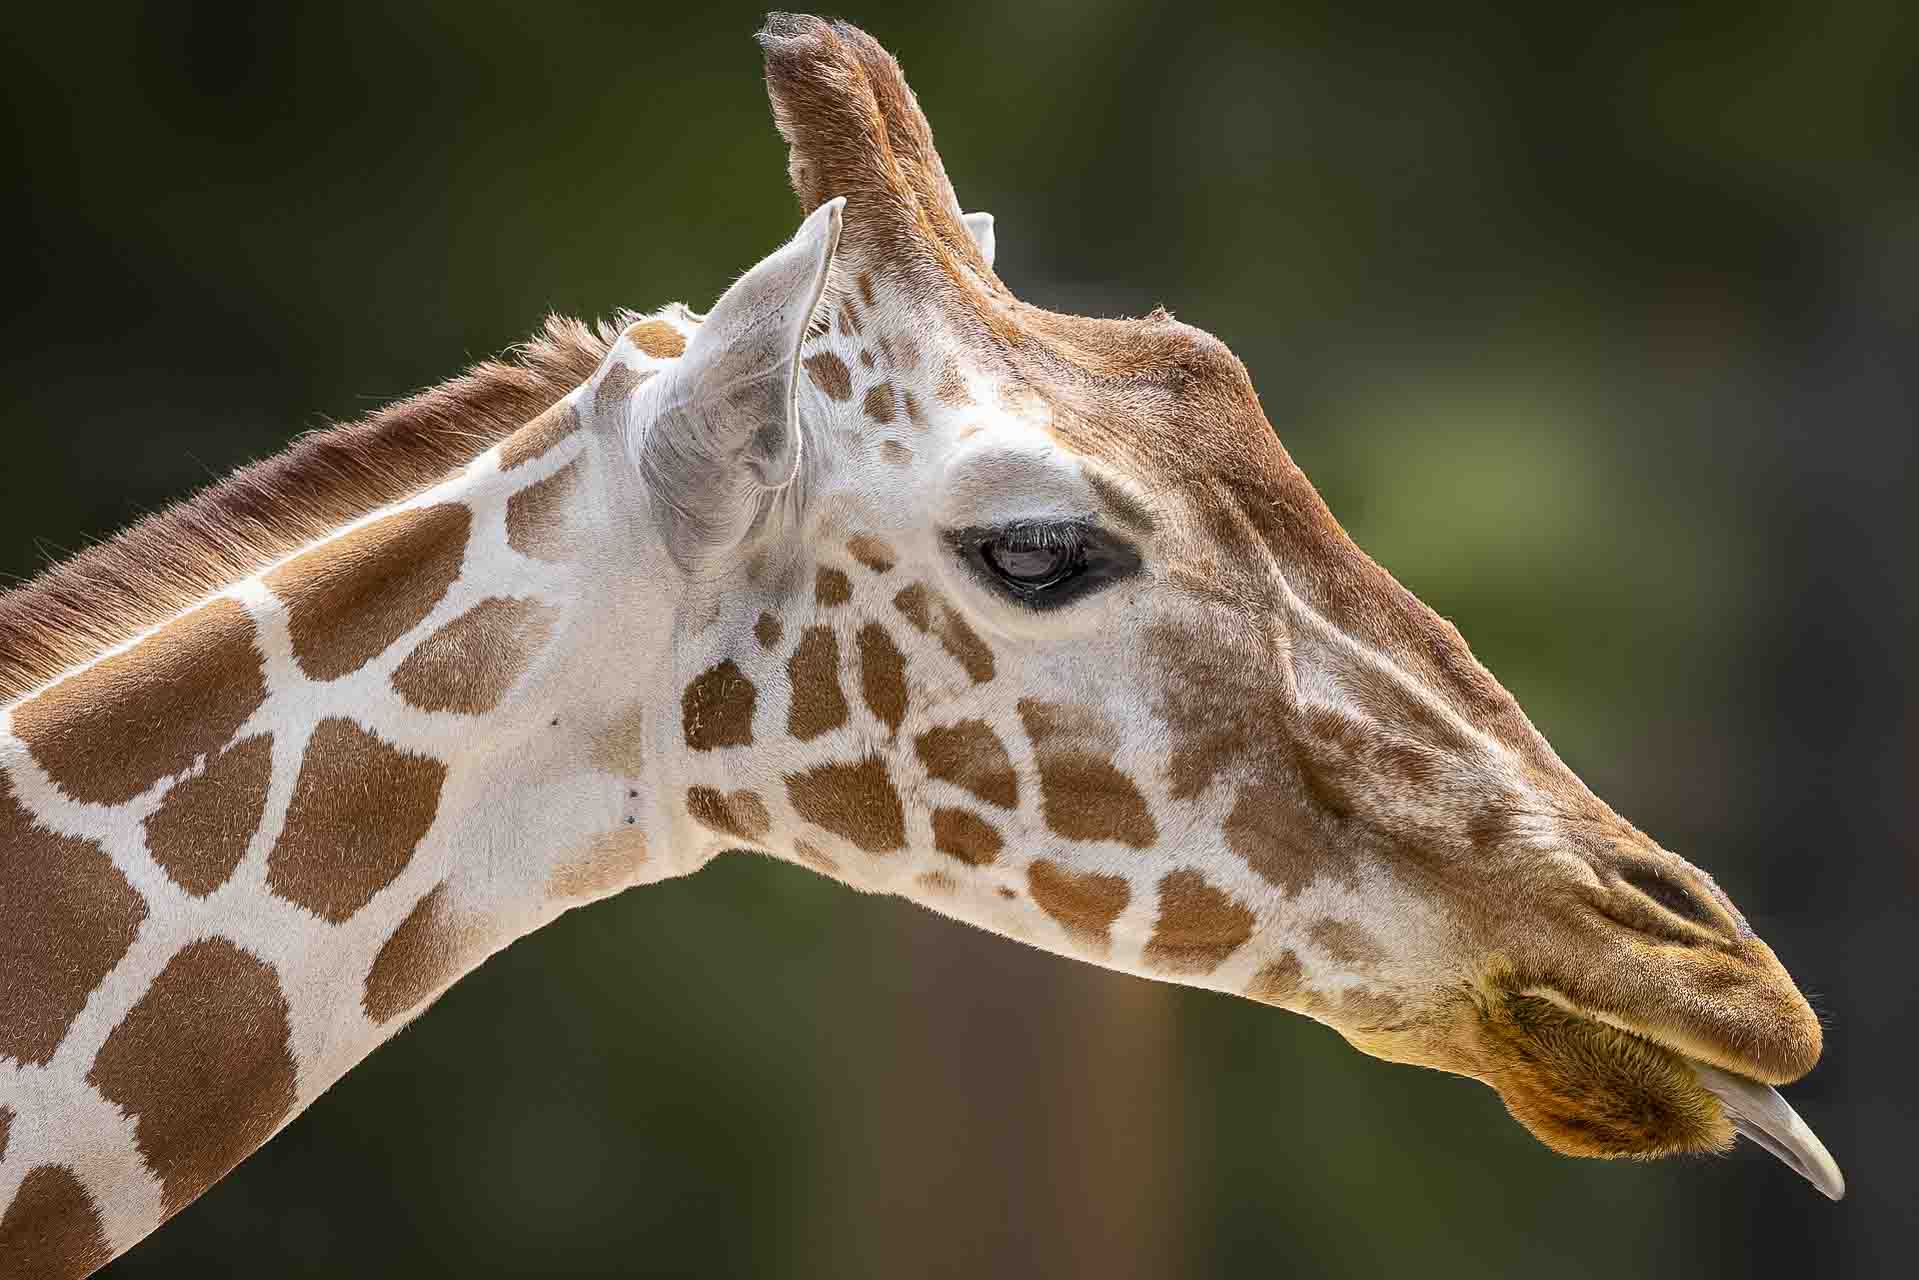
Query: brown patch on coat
x=951 y=387
x=814 y=858
x=741 y=814
x=6 y=1128
x=871 y=552
x=536 y=516
x=359 y=809
x=906 y=352
x=1346 y=944
x=882 y=676
x=911 y=404
x=67 y=916
x=830 y=374
x=606 y=865
x=107 y=733
x=468 y=665
x=929 y=612
x=856 y=801
x=895 y=453
x=658 y=339
x=52 y=1229
x=348 y=600
x=1217 y=723
x=416 y=958
x=536 y=437
x=1085 y=905
x=831 y=588
x=865 y=282
x=1265 y=827
x=970 y=755
x=937 y=882
x=169 y=562
x=203 y=827
x=866 y=359
x=962 y=834
x=616 y=385
x=1083 y=795
x=1279 y=982
x=814 y=670
x=879 y=403
x=1198 y=927
x=203 y=1065
x=886 y=350
x=768 y=631
x=426 y=952
x=717 y=709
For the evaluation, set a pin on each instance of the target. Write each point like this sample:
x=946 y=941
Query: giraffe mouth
x=1757 y=1111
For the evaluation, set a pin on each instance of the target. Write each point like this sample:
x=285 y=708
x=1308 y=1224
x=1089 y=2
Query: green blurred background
x=1597 y=330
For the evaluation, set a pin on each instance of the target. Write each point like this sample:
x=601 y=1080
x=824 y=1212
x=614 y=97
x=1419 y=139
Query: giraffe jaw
x=1755 y=1109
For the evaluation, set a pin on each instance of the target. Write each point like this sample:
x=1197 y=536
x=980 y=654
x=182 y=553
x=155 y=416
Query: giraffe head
x=1030 y=618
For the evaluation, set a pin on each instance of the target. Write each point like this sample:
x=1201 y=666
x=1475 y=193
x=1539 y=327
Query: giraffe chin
x=1588 y=1087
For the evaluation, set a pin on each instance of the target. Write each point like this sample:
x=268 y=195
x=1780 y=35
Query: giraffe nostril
x=1669 y=893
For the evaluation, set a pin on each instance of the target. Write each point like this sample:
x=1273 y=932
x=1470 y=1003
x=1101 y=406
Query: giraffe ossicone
x=876 y=568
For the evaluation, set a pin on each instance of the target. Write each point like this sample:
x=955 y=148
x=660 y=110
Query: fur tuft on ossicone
x=853 y=128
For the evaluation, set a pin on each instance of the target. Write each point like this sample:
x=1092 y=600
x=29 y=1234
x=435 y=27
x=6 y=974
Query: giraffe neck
x=269 y=832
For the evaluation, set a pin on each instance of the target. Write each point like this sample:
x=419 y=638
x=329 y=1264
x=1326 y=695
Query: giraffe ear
x=727 y=424
x=980 y=227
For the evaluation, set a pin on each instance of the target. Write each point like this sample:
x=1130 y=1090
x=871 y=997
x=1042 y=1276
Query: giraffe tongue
x=1758 y=1112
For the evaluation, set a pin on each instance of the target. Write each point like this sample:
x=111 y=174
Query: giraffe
x=874 y=568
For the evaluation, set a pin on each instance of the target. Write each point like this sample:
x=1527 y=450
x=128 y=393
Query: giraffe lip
x=1757 y=1111
x=1760 y=1114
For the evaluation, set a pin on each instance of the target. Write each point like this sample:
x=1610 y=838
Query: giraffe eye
x=1045 y=564
x=1033 y=565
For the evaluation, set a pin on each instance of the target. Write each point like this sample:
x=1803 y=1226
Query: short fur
x=1586 y=1089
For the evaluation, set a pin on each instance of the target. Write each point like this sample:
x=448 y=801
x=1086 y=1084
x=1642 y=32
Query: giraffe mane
x=138 y=579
